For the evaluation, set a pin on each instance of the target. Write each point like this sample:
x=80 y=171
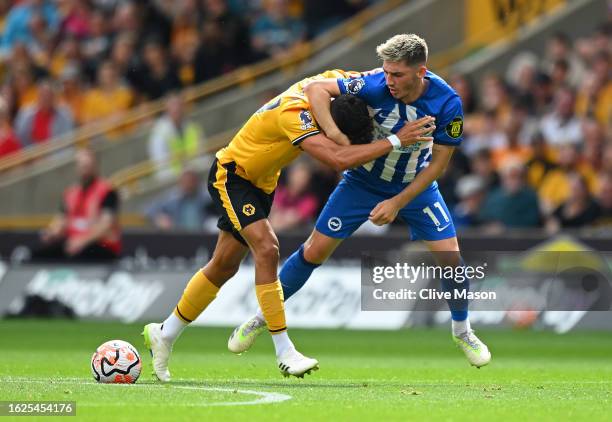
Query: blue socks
x=295 y=272
x=458 y=307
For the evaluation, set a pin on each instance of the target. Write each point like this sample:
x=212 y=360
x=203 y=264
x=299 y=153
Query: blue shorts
x=350 y=204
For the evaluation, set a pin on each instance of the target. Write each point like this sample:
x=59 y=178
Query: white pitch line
x=264 y=396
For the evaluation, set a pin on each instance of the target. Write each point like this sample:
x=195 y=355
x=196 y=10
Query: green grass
x=365 y=375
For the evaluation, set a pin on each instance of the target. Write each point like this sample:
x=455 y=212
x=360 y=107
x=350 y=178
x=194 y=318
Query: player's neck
x=418 y=90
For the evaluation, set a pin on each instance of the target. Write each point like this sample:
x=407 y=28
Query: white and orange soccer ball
x=116 y=362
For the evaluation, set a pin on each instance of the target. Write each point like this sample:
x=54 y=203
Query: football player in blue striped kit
x=402 y=182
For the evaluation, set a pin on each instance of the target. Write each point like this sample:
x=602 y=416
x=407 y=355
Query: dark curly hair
x=351 y=116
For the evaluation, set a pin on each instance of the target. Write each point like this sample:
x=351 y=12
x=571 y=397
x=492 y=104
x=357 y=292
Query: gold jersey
x=270 y=139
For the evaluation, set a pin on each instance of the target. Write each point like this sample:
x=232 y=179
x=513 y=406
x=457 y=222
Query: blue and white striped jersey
x=392 y=172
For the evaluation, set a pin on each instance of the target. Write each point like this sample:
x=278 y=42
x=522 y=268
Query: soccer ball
x=116 y=362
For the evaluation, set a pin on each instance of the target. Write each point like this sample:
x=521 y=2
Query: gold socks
x=272 y=305
x=196 y=297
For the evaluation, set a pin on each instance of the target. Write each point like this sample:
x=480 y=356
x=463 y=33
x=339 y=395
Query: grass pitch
x=364 y=375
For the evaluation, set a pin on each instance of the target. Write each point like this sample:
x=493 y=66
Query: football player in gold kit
x=242 y=182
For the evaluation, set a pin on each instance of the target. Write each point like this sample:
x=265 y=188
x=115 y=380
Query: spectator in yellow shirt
x=556 y=188
x=540 y=162
x=109 y=99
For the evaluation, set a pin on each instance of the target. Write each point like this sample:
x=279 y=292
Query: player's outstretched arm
x=345 y=157
x=319 y=94
x=386 y=211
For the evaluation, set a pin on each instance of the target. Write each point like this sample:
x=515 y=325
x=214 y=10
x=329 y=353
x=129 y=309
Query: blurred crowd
x=64 y=63
x=537 y=148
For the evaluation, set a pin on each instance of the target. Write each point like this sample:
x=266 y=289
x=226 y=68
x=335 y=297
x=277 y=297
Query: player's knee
x=267 y=252
x=315 y=254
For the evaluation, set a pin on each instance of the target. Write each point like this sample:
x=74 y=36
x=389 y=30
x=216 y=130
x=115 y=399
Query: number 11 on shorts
x=427 y=210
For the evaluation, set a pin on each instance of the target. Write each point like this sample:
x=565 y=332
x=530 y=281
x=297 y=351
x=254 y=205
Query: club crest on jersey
x=248 y=210
x=306 y=119
x=353 y=86
x=334 y=224
x=455 y=128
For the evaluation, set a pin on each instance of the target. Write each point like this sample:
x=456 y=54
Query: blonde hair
x=409 y=48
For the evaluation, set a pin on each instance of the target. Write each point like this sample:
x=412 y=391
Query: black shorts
x=239 y=202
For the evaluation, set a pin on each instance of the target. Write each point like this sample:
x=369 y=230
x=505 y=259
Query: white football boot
x=294 y=363
x=245 y=335
x=476 y=352
x=160 y=350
